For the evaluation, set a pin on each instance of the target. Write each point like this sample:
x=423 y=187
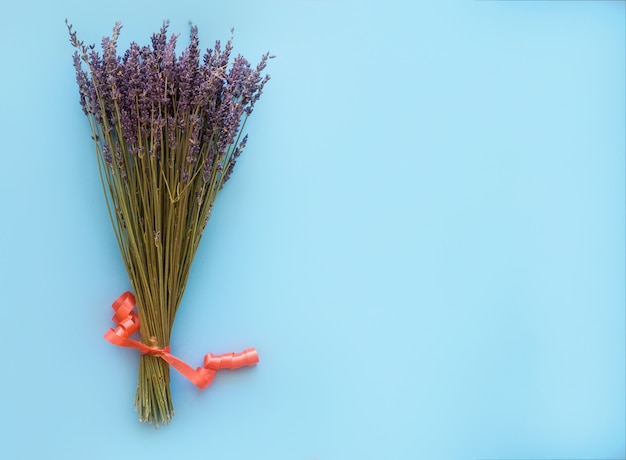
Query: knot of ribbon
x=128 y=323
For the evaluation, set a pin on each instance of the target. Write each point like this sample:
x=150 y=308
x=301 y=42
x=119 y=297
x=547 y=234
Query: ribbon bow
x=128 y=323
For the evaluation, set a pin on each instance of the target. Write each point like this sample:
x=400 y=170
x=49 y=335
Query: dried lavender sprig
x=167 y=132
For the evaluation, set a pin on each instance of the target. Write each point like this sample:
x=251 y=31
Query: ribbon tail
x=248 y=357
x=202 y=377
x=191 y=374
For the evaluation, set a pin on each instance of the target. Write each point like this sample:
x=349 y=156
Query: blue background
x=424 y=238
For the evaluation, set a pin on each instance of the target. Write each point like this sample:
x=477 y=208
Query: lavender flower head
x=185 y=111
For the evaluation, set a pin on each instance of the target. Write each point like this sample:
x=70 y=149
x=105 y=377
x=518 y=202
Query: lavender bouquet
x=167 y=131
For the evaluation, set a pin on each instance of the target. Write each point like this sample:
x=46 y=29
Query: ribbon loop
x=128 y=323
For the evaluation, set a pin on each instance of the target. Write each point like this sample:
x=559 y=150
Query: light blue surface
x=424 y=239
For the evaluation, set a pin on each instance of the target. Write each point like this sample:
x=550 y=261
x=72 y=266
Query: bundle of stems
x=167 y=131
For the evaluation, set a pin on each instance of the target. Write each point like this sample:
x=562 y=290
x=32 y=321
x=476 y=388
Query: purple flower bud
x=150 y=101
x=106 y=153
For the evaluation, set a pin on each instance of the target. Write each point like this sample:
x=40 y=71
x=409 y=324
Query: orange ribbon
x=128 y=323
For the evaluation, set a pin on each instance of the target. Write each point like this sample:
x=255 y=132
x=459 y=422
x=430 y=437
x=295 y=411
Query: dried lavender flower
x=168 y=133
